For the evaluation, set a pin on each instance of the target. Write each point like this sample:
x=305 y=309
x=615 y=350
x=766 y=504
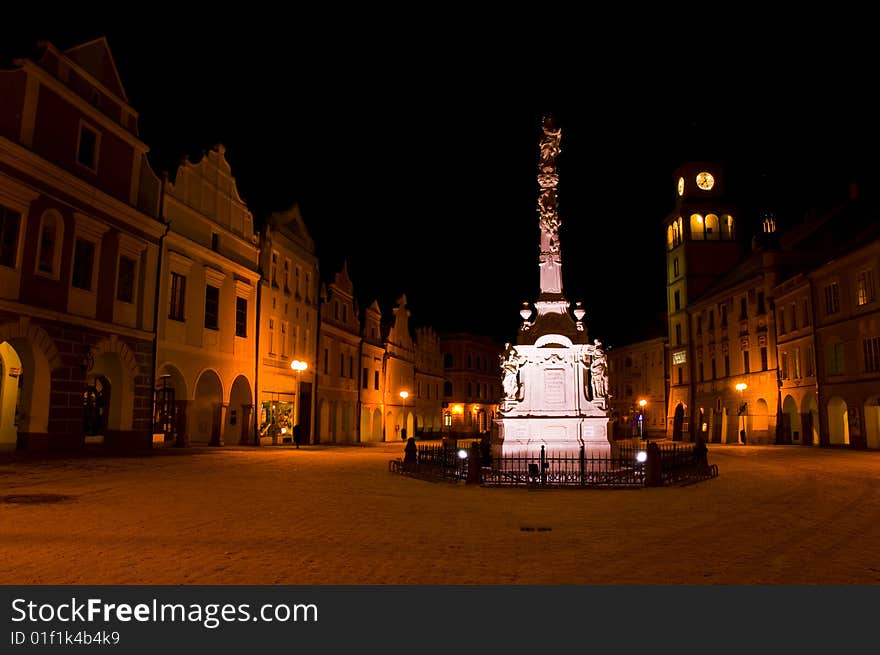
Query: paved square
x=335 y=515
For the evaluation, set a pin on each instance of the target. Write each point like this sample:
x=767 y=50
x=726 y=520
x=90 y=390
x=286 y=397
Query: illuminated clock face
x=705 y=180
x=681 y=186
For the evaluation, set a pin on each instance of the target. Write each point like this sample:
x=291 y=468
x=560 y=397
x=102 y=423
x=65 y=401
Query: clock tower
x=701 y=246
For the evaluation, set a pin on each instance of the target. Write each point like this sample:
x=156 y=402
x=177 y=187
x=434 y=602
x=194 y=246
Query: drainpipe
x=257 y=403
x=156 y=291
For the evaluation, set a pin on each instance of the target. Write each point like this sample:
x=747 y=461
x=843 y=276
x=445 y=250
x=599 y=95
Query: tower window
x=9 y=226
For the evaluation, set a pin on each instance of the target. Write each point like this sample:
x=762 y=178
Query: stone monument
x=555 y=382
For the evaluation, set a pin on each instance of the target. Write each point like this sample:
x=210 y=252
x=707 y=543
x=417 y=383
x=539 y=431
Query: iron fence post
x=543 y=466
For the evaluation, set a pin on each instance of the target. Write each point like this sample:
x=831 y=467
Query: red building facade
x=79 y=205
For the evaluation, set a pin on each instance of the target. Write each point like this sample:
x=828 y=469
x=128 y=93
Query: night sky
x=414 y=157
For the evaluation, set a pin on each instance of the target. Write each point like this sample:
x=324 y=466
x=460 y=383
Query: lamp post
x=299 y=367
x=742 y=386
x=642 y=404
x=404 y=395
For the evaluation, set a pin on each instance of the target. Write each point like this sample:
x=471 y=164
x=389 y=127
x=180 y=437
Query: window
x=447 y=360
x=781 y=320
x=341 y=365
x=469 y=389
x=308 y=287
x=714 y=370
x=376 y=380
x=240 y=317
x=677 y=300
x=271 y=336
x=809 y=361
x=286 y=278
x=212 y=305
x=178 y=297
x=365 y=377
x=711 y=320
x=679 y=375
x=284 y=338
x=871 y=347
x=10 y=222
x=215 y=241
x=701 y=370
x=796 y=361
x=786 y=374
x=345 y=313
x=761 y=309
x=83 y=264
x=763 y=358
x=726 y=365
x=699 y=325
x=832 y=298
x=336 y=310
x=351 y=367
x=865 y=287
x=678 y=334
x=806 y=314
x=675 y=267
x=326 y=360
x=125 y=279
x=746 y=367
x=722 y=309
x=298 y=291
x=447 y=388
x=743 y=309
x=87 y=148
x=275 y=269
x=834 y=355
x=793 y=316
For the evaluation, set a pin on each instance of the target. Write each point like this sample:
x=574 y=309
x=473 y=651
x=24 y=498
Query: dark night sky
x=414 y=157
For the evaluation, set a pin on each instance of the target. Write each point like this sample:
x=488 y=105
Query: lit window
x=866 y=287
x=871 y=348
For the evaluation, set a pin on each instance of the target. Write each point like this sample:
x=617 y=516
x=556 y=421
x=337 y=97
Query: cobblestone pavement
x=335 y=515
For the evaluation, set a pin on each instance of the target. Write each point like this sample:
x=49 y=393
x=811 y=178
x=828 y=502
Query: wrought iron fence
x=620 y=468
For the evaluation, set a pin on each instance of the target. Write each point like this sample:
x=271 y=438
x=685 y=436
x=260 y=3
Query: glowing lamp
x=642 y=457
x=742 y=386
x=404 y=394
x=525 y=312
x=298 y=366
x=462 y=454
x=642 y=403
x=458 y=409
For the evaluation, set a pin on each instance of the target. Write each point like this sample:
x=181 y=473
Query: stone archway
x=171 y=405
x=207 y=409
x=810 y=419
x=791 y=422
x=239 y=414
x=10 y=372
x=38 y=357
x=872 y=422
x=838 y=421
x=377 y=425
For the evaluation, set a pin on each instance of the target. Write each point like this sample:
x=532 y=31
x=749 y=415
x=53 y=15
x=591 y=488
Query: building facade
x=338 y=350
x=288 y=318
x=79 y=243
x=471 y=382
x=428 y=382
x=206 y=352
x=636 y=373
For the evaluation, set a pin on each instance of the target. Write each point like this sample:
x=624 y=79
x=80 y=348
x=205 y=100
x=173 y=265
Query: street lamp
x=642 y=404
x=742 y=386
x=404 y=395
x=299 y=367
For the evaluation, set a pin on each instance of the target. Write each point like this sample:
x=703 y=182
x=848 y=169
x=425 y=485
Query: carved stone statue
x=549 y=145
x=599 y=372
x=510 y=365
